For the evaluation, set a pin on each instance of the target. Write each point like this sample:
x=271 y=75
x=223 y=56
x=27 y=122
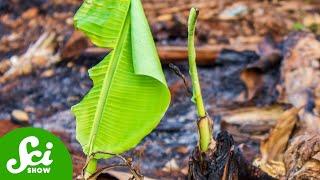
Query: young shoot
x=204 y=122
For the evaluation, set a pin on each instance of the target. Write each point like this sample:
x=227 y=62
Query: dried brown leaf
x=253 y=81
x=250 y=123
x=302 y=157
x=273 y=148
x=253 y=115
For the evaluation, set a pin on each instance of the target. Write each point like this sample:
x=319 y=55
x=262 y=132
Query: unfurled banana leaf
x=129 y=95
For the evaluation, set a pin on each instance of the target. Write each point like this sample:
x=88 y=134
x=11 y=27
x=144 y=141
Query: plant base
x=224 y=162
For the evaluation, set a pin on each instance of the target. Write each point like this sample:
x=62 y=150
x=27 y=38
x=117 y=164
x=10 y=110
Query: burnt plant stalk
x=204 y=123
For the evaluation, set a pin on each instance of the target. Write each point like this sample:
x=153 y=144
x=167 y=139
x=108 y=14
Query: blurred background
x=242 y=51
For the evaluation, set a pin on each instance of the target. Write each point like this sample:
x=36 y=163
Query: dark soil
x=174 y=138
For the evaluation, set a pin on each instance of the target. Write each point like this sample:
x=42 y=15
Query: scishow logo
x=33 y=153
x=26 y=157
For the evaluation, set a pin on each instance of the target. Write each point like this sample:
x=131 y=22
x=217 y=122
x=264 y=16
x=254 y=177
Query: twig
x=177 y=71
x=127 y=163
x=206 y=55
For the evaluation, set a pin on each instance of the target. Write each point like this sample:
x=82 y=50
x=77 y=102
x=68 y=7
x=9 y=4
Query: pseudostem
x=205 y=123
x=90 y=168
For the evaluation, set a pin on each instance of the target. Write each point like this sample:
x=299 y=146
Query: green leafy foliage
x=130 y=94
x=298 y=26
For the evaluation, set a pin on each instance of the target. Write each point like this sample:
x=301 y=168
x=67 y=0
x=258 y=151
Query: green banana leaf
x=130 y=95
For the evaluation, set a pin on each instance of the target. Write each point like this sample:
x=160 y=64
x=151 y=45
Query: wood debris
x=41 y=54
x=273 y=148
x=302 y=157
x=300 y=75
x=250 y=123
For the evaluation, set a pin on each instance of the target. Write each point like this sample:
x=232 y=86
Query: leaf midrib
x=114 y=61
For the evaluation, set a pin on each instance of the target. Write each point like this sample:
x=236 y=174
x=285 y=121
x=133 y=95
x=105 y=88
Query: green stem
x=204 y=124
x=192 y=63
x=91 y=168
x=205 y=133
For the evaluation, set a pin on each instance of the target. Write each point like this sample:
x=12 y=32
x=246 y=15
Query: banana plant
x=129 y=94
x=205 y=124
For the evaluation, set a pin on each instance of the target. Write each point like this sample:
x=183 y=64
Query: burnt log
x=225 y=162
